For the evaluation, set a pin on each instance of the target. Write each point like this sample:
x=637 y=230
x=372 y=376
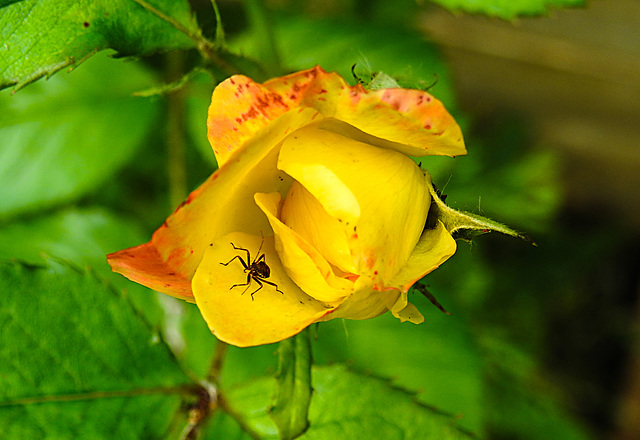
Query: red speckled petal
x=410 y=121
x=241 y=107
x=414 y=120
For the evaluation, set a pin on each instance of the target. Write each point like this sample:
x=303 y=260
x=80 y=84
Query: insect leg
x=248 y=283
x=239 y=258
x=269 y=283
x=259 y=281
x=243 y=249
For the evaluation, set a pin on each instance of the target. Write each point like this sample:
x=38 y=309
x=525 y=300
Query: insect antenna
x=259 y=249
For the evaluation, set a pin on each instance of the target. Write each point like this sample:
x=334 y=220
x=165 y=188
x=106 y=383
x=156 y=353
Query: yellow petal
x=414 y=120
x=302 y=212
x=379 y=196
x=222 y=204
x=405 y=311
x=235 y=317
x=302 y=262
x=411 y=121
x=365 y=302
x=434 y=248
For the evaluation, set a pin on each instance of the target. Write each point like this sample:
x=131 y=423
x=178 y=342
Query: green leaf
x=506 y=9
x=293 y=386
x=79 y=362
x=438 y=359
x=199 y=342
x=225 y=427
x=4 y=3
x=76 y=131
x=348 y=405
x=507 y=310
x=237 y=370
x=83 y=237
x=76 y=30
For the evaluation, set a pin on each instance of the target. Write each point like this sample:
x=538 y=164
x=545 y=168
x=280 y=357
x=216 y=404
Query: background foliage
x=93 y=160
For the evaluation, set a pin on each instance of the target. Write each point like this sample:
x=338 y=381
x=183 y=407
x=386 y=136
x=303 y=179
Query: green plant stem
x=218 y=360
x=213 y=377
x=210 y=398
x=220 y=37
x=207 y=49
x=176 y=160
x=293 y=386
x=263 y=34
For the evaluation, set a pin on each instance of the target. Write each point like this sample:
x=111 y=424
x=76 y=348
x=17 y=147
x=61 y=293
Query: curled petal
x=364 y=302
x=415 y=121
x=405 y=311
x=434 y=248
x=304 y=264
x=236 y=318
x=222 y=204
x=411 y=121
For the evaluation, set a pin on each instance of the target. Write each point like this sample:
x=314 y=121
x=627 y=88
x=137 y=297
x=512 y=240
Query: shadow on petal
x=434 y=248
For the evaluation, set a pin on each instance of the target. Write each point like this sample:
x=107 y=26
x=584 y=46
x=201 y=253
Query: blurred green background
x=542 y=341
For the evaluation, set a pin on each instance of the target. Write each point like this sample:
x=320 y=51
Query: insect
x=257 y=270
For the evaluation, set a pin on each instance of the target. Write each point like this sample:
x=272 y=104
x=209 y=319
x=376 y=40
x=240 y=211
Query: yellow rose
x=316 y=200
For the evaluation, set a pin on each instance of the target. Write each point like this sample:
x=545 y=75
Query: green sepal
x=381 y=80
x=463 y=224
x=292 y=396
x=376 y=81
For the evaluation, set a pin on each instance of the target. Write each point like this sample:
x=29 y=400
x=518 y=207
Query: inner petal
x=303 y=213
x=302 y=262
x=388 y=188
